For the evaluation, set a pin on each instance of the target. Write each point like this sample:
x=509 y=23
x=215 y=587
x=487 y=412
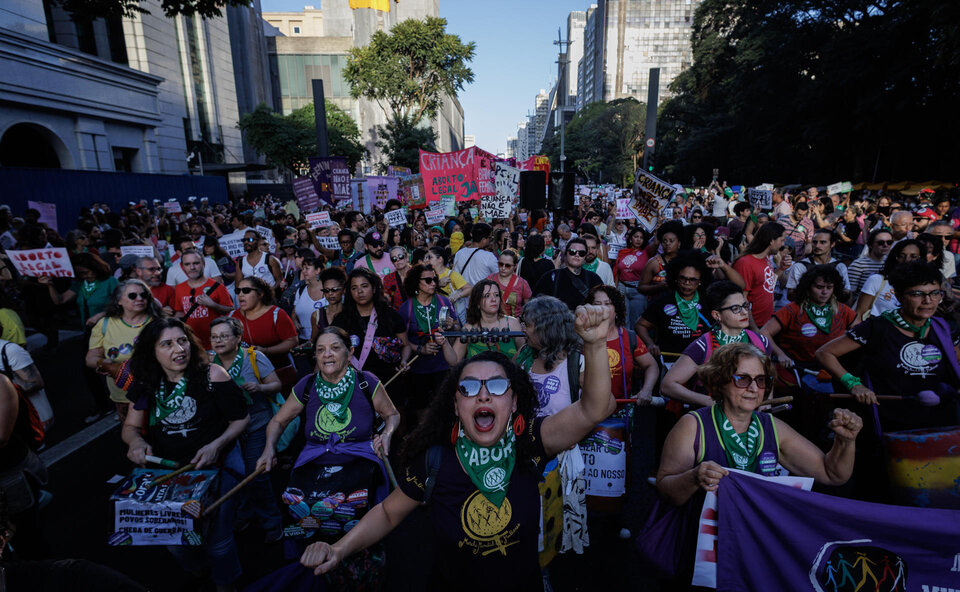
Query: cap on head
x=373 y=238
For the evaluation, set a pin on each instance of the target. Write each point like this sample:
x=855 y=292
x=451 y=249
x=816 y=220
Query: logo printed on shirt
x=808 y=330
x=670 y=310
x=919 y=359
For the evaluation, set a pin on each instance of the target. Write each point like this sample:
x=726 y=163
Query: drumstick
x=925 y=398
x=170 y=464
x=246 y=481
x=172 y=474
x=777 y=401
x=654 y=401
x=389 y=468
x=410 y=361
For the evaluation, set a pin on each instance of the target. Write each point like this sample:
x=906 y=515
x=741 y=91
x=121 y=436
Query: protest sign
x=49 y=262
x=232 y=244
x=358 y=193
x=496 y=206
x=434 y=215
x=331 y=178
x=396 y=218
x=466 y=174
x=328 y=242
x=846 y=187
x=605 y=458
x=411 y=187
x=318 y=219
x=398 y=171
x=779 y=538
x=650 y=195
x=612 y=252
x=449 y=205
x=761 y=199
x=173 y=207
x=138 y=250
x=623 y=209
x=765 y=186
x=379 y=190
x=537 y=162
x=266 y=233
x=834 y=188
x=48 y=212
x=507 y=181
x=291 y=207
x=474 y=212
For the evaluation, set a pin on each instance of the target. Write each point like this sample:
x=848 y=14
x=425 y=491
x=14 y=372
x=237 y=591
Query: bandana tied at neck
x=822 y=316
x=489 y=467
x=336 y=397
x=724 y=339
x=741 y=449
x=897 y=319
x=165 y=405
x=689 y=311
x=427 y=315
x=234 y=371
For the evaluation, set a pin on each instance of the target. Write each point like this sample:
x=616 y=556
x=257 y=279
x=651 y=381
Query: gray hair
x=939 y=223
x=235 y=327
x=150 y=259
x=563 y=228
x=553 y=323
x=900 y=214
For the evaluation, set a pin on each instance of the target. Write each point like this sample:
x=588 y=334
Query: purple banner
x=307 y=198
x=379 y=190
x=331 y=178
x=773 y=537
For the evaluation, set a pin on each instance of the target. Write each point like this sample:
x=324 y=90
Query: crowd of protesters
x=342 y=346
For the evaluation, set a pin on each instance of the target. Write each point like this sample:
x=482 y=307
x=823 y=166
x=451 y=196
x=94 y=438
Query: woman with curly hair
x=475 y=461
x=486 y=311
x=676 y=316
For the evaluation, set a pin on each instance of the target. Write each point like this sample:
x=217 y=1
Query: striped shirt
x=860 y=270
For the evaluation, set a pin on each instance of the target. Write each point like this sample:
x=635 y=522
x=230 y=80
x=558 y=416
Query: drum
x=605 y=456
x=329 y=500
x=168 y=514
x=924 y=466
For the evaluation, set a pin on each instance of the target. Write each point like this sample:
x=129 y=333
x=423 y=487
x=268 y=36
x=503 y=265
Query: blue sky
x=515 y=57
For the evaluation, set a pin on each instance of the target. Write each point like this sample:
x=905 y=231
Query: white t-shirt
x=19 y=359
x=605 y=273
x=261 y=269
x=176 y=275
x=799 y=268
x=482 y=265
x=303 y=307
x=553 y=388
x=884 y=299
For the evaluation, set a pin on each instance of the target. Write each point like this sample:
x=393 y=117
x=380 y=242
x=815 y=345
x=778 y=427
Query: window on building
x=124 y=159
x=296 y=30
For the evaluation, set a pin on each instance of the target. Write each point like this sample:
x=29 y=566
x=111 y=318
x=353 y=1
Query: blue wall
x=72 y=190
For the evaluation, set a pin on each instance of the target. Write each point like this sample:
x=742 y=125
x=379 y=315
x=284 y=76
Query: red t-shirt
x=761 y=281
x=514 y=294
x=164 y=294
x=263 y=331
x=799 y=337
x=619 y=364
x=200 y=319
x=630 y=264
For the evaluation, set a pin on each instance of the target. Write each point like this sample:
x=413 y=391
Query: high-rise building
x=511 y=151
x=576 y=21
x=521 y=152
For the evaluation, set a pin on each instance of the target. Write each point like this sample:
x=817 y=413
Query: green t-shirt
x=95 y=300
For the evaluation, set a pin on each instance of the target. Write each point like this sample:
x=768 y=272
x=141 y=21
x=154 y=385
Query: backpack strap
x=756 y=340
x=252 y=356
x=433 y=458
x=464 y=268
x=573 y=375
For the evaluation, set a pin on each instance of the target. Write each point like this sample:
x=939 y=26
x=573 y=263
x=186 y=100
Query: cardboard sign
x=474 y=212
x=328 y=242
x=650 y=196
x=760 y=198
x=48 y=212
x=51 y=262
x=496 y=206
x=173 y=207
x=623 y=209
x=846 y=187
x=434 y=216
x=414 y=196
x=138 y=250
x=318 y=219
x=164 y=515
x=449 y=205
x=396 y=218
x=507 y=182
x=834 y=188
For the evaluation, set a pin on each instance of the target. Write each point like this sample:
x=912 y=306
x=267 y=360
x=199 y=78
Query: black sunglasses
x=397 y=258
x=470 y=387
x=138 y=295
x=429 y=280
x=577 y=252
x=251 y=239
x=331 y=290
x=246 y=290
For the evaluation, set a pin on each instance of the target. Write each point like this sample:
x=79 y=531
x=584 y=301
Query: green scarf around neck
x=743 y=449
x=822 y=316
x=167 y=404
x=336 y=397
x=688 y=309
x=897 y=319
x=489 y=467
x=427 y=317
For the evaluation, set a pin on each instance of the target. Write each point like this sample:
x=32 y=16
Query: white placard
x=623 y=209
x=495 y=206
x=318 y=219
x=232 y=244
x=434 y=216
x=396 y=218
x=173 y=207
x=612 y=252
x=329 y=242
x=507 y=181
x=266 y=233
x=52 y=262
x=605 y=464
x=765 y=186
x=138 y=250
x=761 y=199
x=834 y=188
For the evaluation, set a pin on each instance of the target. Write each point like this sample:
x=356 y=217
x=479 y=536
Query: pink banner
x=467 y=174
x=536 y=163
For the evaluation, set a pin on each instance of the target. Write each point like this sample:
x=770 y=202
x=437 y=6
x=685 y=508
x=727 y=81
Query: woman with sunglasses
x=877 y=295
x=485 y=311
x=269 y=329
x=730 y=311
x=733 y=434
x=130 y=309
x=514 y=290
x=333 y=280
x=475 y=461
x=451 y=283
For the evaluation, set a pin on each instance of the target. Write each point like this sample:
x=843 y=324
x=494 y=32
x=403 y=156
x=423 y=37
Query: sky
x=515 y=57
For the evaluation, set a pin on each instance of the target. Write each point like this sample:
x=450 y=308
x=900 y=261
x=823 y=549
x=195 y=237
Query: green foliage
x=92 y=9
x=411 y=68
x=288 y=141
x=401 y=140
x=816 y=91
x=603 y=141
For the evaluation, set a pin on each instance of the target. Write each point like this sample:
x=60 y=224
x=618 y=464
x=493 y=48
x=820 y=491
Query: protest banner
x=466 y=174
x=305 y=193
x=779 y=538
x=48 y=262
x=173 y=207
x=398 y=171
x=318 y=219
x=328 y=242
x=760 y=199
x=834 y=188
x=537 y=162
x=232 y=244
x=138 y=250
x=48 y=212
x=650 y=196
x=705 y=562
x=414 y=196
x=434 y=215
x=507 y=182
x=396 y=218
x=330 y=177
x=379 y=190
x=623 y=209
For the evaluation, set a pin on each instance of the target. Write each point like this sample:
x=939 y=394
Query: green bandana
x=689 y=312
x=741 y=455
x=234 y=371
x=592 y=266
x=894 y=317
x=822 y=316
x=489 y=467
x=426 y=315
x=525 y=357
x=336 y=397
x=166 y=405
x=724 y=339
x=549 y=252
x=88 y=287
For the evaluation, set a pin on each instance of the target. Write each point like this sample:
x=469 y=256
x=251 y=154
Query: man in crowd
x=781 y=207
x=571 y=282
x=565 y=234
x=376 y=260
x=149 y=270
x=822 y=245
x=944 y=230
x=474 y=261
x=593 y=262
x=799 y=230
x=878 y=245
x=200 y=299
x=257 y=263
x=347 y=256
x=177 y=275
x=901 y=225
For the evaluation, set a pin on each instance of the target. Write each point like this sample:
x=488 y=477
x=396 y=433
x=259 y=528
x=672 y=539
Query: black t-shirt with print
x=672 y=334
x=479 y=546
x=202 y=418
x=902 y=365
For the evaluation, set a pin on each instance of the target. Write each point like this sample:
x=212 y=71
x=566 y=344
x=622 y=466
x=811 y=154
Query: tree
x=410 y=69
x=401 y=141
x=289 y=141
x=92 y=9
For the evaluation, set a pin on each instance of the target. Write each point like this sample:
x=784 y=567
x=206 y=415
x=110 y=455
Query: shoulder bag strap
x=464 y=268
x=367 y=341
x=252 y=356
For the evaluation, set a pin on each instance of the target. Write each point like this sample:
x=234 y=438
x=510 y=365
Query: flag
x=773 y=537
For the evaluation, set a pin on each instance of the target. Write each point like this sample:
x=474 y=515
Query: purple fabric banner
x=773 y=537
x=331 y=178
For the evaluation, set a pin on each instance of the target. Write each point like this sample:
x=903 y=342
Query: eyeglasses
x=331 y=290
x=470 y=387
x=687 y=280
x=883 y=243
x=219 y=338
x=505 y=265
x=743 y=381
x=737 y=308
x=246 y=290
x=150 y=269
x=577 y=252
x=138 y=295
x=429 y=280
x=933 y=294
x=397 y=258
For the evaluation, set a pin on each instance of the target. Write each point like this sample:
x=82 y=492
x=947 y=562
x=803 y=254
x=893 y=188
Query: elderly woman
x=252 y=371
x=676 y=316
x=485 y=311
x=475 y=462
x=733 y=434
x=112 y=339
x=267 y=328
x=188 y=411
x=514 y=290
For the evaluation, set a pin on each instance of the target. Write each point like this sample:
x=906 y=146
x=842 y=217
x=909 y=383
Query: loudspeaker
x=533 y=190
x=561 y=191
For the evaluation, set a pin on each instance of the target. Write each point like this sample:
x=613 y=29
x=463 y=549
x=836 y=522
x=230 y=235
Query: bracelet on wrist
x=849 y=381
